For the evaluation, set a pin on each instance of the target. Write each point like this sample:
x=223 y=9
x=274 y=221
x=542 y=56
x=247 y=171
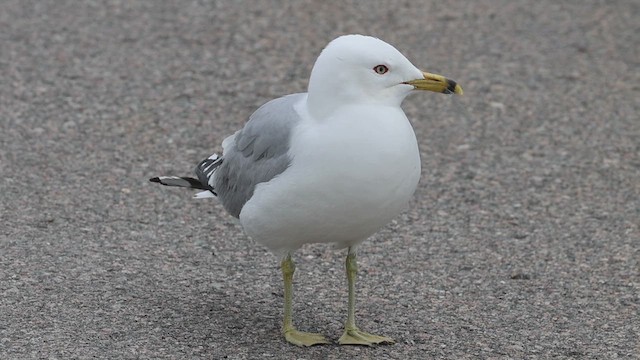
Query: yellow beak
x=436 y=83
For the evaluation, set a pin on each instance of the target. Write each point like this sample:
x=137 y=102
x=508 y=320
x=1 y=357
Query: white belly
x=348 y=178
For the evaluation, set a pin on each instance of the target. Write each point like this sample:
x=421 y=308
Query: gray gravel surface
x=522 y=240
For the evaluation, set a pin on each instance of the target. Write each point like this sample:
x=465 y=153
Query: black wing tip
x=155 y=179
x=205 y=169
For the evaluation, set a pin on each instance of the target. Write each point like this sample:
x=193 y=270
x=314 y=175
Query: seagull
x=332 y=165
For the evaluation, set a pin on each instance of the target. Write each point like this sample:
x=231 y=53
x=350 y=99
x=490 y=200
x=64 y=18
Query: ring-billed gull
x=332 y=165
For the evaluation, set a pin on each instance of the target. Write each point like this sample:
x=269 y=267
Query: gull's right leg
x=290 y=333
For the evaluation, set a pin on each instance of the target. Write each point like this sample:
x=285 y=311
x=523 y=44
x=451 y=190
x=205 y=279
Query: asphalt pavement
x=522 y=240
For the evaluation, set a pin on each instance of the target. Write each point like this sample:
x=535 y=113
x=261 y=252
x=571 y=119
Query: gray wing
x=257 y=153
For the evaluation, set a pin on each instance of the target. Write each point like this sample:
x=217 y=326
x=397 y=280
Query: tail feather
x=204 y=172
x=179 y=181
x=204 y=194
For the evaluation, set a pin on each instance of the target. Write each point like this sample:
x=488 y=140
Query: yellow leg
x=290 y=333
x=352 y=335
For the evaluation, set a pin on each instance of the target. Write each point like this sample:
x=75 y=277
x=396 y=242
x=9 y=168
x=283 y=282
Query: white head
x=357 y=69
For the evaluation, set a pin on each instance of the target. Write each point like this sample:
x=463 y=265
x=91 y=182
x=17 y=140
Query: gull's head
x=357 y=69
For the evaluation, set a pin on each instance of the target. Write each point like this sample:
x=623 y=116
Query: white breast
x=350 y=175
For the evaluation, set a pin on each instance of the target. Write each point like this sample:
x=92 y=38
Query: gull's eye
x=380 y=69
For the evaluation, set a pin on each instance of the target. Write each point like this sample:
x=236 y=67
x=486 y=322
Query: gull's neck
x=322 y=103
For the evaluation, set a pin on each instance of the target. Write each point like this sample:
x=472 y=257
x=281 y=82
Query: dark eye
x=380 y=69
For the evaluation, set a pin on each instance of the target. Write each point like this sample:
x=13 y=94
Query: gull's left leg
x=352 y=335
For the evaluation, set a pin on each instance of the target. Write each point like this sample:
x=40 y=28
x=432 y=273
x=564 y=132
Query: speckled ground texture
x=522 y=240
